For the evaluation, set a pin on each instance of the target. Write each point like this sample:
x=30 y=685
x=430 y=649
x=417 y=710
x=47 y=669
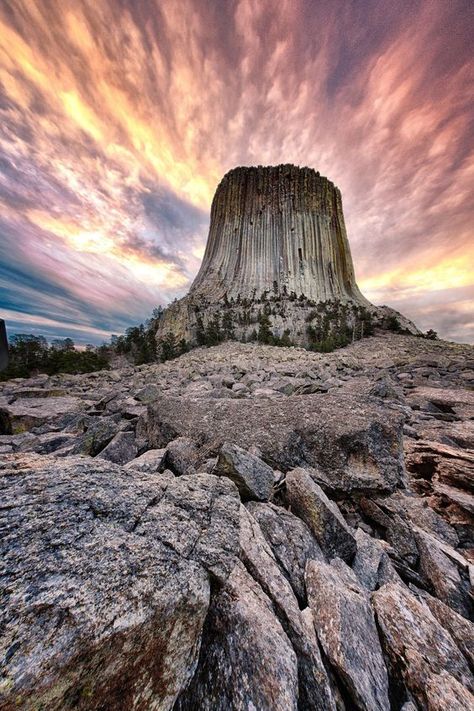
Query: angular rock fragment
x=291 y=541
x=416 y=511
x=371 y=563
x=253 y=478
x=180 y=456
x=421 y=651
x=106 y=581
x=460 y=629
x=246 y=661
x=308 y=501
x=314 y=688
x=97 y=436
x=345 y=626
x=148 y=394
x=442 y=691
x=149 y=461
x=394 y=527
x=442 y=574
x=121 y=448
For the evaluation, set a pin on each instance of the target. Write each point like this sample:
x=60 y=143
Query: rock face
x=277 y=229
x=277 y=235
x=107 y=584
x=243 y=528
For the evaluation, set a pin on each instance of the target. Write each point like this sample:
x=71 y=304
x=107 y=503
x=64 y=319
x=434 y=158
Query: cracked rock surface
x=246 y=527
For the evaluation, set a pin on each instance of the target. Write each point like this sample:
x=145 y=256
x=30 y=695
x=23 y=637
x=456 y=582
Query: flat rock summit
x=251 y=526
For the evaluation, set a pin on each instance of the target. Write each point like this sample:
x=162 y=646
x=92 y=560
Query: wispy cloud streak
x=118 y=120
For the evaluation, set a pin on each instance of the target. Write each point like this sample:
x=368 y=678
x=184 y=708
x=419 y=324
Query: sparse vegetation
x=30 y=354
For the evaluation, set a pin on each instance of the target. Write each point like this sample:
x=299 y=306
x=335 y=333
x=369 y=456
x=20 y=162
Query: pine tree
x=168 y=347
x=200 y=332
x=265 y=334
x=213 y=332
x=228 y=325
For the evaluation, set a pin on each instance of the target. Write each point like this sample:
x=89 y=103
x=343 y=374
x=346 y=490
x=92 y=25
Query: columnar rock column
x=277 y=229
x=277 y=256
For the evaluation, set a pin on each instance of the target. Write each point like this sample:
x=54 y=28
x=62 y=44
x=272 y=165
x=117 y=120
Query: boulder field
x=244 y=528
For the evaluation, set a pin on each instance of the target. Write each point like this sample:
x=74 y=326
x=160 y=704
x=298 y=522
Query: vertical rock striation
x=277 y=229
x=277 y=250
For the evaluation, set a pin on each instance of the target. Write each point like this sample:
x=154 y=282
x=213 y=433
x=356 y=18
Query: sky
x=118 y=118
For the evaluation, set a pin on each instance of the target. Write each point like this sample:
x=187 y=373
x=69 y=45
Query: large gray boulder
x=308 y=501
x=253 y=478
x=345 y=626
x=106 y=581
x=356 y=445
x=27 y=412
x=247 y=661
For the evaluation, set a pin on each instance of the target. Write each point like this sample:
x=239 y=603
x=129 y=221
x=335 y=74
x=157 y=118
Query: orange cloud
x=119 y=120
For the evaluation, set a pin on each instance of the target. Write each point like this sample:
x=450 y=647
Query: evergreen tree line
x=138 y=343
x=29 y=354
x=327 y=329
x=333 y=329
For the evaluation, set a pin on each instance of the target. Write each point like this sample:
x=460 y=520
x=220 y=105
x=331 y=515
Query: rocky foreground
x=247 y=527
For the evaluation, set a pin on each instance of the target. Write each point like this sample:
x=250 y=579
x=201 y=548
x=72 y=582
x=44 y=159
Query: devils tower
x=277 y=254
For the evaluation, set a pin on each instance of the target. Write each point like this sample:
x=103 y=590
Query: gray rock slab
x=291 y=541
x=149 y=461
x=180 y=456
x=247 y=661
x=106 y=580
x=361 y=451
x=314 y=688
x=422 y=652
x=253 y=478
x=346 y=628
x=121 y=448
x=308 y=501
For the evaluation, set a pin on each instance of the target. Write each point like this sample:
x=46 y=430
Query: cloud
x=117 y=121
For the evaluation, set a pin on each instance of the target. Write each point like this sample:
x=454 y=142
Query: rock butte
x=277 y=229
x=276 y=234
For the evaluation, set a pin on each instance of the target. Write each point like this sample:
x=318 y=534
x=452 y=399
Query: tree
x=28 y=352
x=285 y=339
x=431 y=335
x=393 y=324
x=228 y=325
x=265 y=334
x=200 y=332
x=168 y=347
x=157 y=313
x=62 y=344
x=183 y=346
x=213 y=332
